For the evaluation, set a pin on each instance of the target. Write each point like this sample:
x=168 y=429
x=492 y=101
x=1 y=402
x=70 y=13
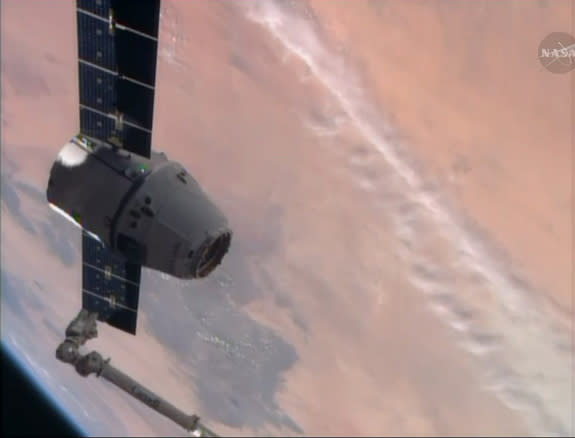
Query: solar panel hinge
x=111 y=22
x=118 y=120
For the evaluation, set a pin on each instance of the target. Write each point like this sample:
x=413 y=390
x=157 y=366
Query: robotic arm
x=83 y=328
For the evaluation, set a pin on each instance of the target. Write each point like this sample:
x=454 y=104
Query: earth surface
x=398 y=176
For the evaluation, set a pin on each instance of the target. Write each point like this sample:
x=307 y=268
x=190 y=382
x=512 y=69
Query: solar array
x=117 y=55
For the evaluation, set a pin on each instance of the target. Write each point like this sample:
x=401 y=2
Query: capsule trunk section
x=152 y=211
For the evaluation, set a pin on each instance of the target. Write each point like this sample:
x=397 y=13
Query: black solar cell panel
x=140 y=15
x=96 y=124
x=136 y=56
x=136 y=102
x=145 y=18
x=101 y=126
x=98 y=7
x=117 y=50
x=110 y=285
x=95 y=42
x=103 y=91
x=97 y=88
